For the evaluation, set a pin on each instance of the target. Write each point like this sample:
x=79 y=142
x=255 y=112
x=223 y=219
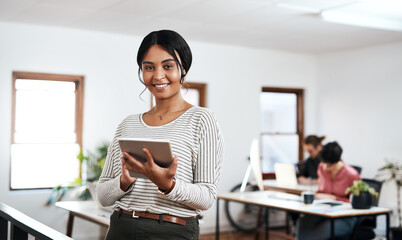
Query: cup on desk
x=308 y=197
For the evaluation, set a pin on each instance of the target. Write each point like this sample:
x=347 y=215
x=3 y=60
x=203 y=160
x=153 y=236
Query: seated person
x=308 y=168
x=334 y=176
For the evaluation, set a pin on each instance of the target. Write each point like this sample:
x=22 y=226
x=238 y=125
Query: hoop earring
x=142 y=93
x=139 y=77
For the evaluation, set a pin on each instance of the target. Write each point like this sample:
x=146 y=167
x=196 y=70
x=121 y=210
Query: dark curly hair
x=331 y=153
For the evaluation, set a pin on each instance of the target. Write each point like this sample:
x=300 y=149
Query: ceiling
x=252 y=23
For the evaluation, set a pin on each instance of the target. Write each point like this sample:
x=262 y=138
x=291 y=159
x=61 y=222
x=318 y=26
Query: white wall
x=360 y=105
x=234 y=75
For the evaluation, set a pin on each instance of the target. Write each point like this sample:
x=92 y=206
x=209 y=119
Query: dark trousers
x=124 y=226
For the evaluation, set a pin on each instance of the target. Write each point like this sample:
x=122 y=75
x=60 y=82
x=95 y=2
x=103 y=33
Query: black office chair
x=364 y=228
x=358 y=168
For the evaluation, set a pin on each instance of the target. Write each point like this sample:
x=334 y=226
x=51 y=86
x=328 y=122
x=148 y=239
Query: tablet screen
x=159 y=148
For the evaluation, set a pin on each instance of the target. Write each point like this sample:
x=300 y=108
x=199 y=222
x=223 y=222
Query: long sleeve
x=108 y=189
x=202 y=192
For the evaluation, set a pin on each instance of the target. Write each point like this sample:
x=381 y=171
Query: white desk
x=87 y=210
x=298 y=189
x=292 y=203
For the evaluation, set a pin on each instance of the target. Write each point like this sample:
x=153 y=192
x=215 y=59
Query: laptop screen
x=285 y=174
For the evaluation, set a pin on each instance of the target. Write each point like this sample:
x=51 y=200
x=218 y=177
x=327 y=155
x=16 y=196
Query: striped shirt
x=196 y=139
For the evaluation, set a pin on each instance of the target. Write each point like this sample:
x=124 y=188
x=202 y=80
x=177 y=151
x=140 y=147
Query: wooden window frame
x=201 y=88
x=79 y=104
x=299 y=119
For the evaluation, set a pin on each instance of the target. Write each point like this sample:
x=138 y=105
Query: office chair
x=364 y=228
x=358 y=168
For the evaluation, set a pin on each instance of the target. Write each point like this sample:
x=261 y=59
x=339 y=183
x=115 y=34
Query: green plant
x=392 y=171
x=94 y=162
x=360 y=186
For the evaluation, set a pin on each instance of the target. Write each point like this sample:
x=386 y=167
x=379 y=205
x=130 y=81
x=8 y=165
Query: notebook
x=285 y=174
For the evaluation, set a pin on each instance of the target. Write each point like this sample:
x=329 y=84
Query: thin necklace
x=160 y=116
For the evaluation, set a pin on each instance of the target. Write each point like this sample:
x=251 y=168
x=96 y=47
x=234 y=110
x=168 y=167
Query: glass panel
x=278 y=112
x=45 y=112
x=191 y=95
x=278 y=148
x=43 y=165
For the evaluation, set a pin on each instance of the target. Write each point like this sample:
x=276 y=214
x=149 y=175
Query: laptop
x=285 y=174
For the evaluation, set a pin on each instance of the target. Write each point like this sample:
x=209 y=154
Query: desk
x=287 y=202
x=87 y=210
x=298 y=189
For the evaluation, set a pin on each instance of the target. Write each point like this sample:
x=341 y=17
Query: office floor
x=273 y=235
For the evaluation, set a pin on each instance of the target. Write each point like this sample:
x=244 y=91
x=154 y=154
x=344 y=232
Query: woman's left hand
x=162 y=177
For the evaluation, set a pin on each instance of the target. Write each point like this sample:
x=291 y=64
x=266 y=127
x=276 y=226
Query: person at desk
x=307 y=170
x=334 y=177
x=165 y=204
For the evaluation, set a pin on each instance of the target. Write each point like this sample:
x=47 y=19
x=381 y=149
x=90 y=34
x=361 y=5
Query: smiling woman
x=165 y=204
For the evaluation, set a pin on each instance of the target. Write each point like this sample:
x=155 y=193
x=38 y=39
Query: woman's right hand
x=125 y=179
x=303 y=180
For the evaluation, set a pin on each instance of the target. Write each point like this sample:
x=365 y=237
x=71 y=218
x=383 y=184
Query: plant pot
x=363 y=201
x=396 y=233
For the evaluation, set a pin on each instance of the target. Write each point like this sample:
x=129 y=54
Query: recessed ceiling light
x=382 y=14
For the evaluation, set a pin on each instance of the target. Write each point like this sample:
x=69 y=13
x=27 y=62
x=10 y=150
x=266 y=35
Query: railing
x=21 y=226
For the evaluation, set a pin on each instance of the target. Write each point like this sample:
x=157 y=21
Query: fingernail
x=144 y=149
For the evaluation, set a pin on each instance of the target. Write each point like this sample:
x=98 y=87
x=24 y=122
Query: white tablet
x=159 y=148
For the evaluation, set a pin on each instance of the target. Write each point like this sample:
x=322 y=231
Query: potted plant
x=80 y=187
x=392 y=172
x=361 y=194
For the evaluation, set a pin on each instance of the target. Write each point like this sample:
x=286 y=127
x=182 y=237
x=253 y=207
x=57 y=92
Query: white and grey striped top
x=196 y=139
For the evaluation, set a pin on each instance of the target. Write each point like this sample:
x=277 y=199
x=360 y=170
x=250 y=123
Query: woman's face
x=311 y=150
x=329 y=167
x=161 y=73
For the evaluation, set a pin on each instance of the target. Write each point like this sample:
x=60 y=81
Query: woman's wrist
x=125 y=183
x=166 y=191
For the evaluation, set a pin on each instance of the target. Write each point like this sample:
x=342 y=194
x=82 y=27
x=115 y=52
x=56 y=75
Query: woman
x=334 y=177
x=308 y=169
x=164 y=205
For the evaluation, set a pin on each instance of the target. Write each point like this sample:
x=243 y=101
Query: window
x=46 y=131
x=281 y=127
x=195 y=93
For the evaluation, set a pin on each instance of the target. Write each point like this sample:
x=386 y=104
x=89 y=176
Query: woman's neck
x=337 y=168
x=169 y=106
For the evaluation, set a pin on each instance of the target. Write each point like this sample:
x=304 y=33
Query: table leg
x=387 y=226
x=259 y=216
x=217 y=220
x=266 y=223
x=70 y=224
x=332 y=229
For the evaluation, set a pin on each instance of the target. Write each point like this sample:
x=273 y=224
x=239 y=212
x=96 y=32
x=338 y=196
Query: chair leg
x=287 y=223
x=356 y=228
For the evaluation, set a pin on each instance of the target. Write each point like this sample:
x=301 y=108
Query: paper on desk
x=329 y=205
x=283 y=196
